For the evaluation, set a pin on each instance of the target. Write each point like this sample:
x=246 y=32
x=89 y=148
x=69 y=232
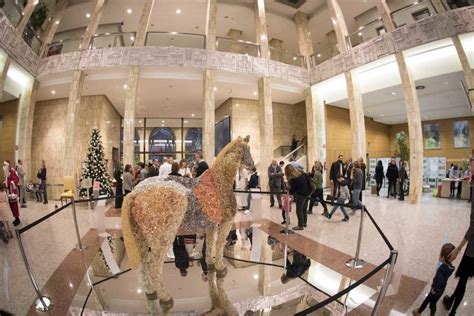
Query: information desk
x=446 y=185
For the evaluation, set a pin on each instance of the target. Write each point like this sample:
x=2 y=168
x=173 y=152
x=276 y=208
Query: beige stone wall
x=288 y=119
x=8 y=111
x=453 y=155
x=48 y=135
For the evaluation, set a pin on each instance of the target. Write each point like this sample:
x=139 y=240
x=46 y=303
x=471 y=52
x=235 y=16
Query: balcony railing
x=224 y=44
x=113 y=40
x=32 y=38
x=413 y=12
x=286 y=57
x=63 y=46
x=366 y=32
x=13 y=10
x=175 y=39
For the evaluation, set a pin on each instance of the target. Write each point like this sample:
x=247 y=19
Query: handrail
x=362 y=27
x=291 y=153
x=112 y=34
x=176 y=33
x=234 y=40
x=65 y=40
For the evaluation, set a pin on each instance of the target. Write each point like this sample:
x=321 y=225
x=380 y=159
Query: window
x=193 y=140
x=162 y=140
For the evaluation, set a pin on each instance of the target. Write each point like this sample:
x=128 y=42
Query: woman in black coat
x=118 y=185
x=379 y=176
x=300 y=188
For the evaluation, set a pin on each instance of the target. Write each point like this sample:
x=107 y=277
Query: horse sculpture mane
x=154 y=211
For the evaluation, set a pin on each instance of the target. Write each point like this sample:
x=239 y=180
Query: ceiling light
x=53 y=92
x=108 y=122
x=394 y=93
x=88 y=15
x=129 y=11
x=255 y=93
x=178 y=11
x=185 y=122
x=215 y=88
x=382 y=114
x=319 y=55
x=162 y=125
x=125 y=86
x=162 y=121
x=139 y=121
x=192 y=115
x=255 y=276
x=294 y=58
x=139 y=291
x=360 y=33
x=70 y=285
x=132 y=38
x=57 y=22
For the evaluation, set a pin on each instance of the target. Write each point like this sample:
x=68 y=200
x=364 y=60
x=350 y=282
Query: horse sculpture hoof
x=152 y=296
x=167 y=305
x=221 y=273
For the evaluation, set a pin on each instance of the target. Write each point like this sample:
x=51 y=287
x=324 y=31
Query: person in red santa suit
x=11 y=185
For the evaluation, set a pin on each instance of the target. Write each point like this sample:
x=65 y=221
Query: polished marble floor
x=417 y=231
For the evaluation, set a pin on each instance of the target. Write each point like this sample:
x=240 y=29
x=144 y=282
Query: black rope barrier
x=42 y=219
x=346 y=290
x=387 y=242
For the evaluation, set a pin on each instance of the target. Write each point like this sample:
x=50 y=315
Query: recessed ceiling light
x=162 y=121
x=129 y=11
x=294 y=58
x=185 y=122
x=53 y=92
x=139 y=291
x=382 y=114
x=178 y=11
x=125 y=86
x=319 y=55
x=162 y=125
x=88 y=15
x=108 y=122
x=192 y=115
x=57 y=22
x=360 y=33
x=132 y=38
x=255 y=93
x=215 y=88
x=140 y=122
x=255 y=276
x=394 y=93
x=70 y=285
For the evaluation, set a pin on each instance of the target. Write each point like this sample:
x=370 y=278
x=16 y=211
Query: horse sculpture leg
x=210 y=247
x=223 y=232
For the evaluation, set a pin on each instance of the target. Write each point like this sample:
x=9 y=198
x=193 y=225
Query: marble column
x=339 y=24
x=413 y=113
x=52 y=26
x=305 y=41
x=25 y=15
x=261 y=29
x=468 y=76
x=209 y=95
x=5 y=61
x=211 y=24
x=356 y=113
x=354 y=95
x=71 y=168
x=316 y=125
x=414 y=129
x=266 y=126
x=209 y=119
x=311 y=129
x=24 y=126
x=132 y=88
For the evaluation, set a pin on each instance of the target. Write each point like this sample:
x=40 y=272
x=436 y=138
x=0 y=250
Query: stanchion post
x=74 y=215
x=356 y=262
x=42 y=303
x=386 y=281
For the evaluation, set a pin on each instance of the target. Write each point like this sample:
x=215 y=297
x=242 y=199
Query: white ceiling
x=166 y=93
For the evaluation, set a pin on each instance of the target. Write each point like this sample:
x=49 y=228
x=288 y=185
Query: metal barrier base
x=356 y=263
x=44 y=304
x=287 y=232
x=80 y=248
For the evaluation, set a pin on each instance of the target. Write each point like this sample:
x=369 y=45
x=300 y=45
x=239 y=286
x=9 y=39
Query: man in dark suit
x=201 y=164
x=154 y=169
x=275 y=178
x=337 y=168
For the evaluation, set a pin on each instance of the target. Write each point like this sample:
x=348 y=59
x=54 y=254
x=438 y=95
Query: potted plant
x=401 y=146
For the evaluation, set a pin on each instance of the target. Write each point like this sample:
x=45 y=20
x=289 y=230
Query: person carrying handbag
x=11 y=185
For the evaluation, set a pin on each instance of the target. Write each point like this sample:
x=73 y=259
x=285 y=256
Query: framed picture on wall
x=461 y=134
x=222 y=134
x=431 y=136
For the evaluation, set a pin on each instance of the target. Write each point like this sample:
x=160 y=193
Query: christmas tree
x=95 y=166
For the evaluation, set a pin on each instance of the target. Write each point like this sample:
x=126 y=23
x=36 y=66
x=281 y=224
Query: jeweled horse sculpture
x=157 y=208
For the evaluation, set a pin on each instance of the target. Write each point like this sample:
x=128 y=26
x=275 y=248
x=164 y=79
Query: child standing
x=440 y=280
x=342 y=195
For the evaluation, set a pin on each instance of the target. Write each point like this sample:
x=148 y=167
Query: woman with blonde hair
x=300 y=188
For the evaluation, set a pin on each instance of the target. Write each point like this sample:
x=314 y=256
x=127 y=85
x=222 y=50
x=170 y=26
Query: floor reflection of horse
x=157 y=208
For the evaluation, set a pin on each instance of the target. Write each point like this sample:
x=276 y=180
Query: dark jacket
x=441 y=278
x=201 y=167
x=181 y=256
x=42 y=174
x=118 y=177
x=300 y=185
x=275 y=176
x=363 y=168
x=253 y=181
x=392 y=172
x=298 y=267
x=294 y=144
x=357 y=179
x=470 y=232
x=153 y=171
x=403 y=174
x=335 y=170
x=379 y=173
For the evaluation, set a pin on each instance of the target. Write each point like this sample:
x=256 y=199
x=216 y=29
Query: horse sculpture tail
x=131 y=244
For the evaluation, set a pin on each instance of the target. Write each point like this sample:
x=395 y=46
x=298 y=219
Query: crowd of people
x=457 y=175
